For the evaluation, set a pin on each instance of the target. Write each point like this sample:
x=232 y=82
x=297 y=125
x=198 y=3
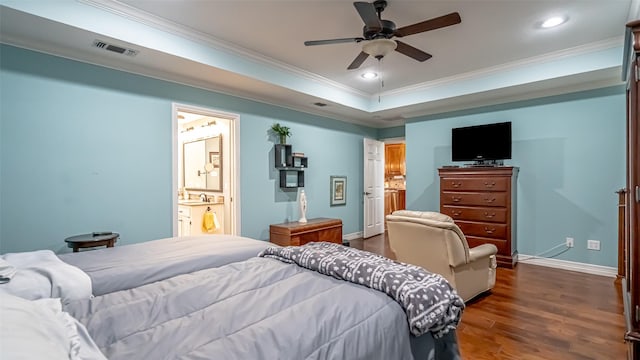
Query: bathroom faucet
x=203 y=197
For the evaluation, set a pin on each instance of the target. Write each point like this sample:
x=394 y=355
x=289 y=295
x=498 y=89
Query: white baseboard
x=352 y=236
x=569 y=265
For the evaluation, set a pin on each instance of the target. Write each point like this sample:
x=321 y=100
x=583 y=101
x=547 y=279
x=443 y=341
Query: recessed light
x=369 y=75
x=553 y=22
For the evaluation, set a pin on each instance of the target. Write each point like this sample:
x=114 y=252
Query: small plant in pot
x=282 y=131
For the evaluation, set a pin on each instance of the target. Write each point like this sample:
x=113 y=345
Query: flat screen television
x=481 y=142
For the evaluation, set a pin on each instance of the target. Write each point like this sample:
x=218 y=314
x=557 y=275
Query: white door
x=194 y=161
x=373 y=187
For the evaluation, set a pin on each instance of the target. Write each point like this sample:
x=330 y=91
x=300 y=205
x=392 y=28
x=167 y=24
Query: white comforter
x=41 y=274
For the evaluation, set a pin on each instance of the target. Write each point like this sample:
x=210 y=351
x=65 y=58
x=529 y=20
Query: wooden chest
x=482 y=202
x=295 y=233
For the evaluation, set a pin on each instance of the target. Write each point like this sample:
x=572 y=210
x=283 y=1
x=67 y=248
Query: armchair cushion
x=429 y=215
x=435 y=220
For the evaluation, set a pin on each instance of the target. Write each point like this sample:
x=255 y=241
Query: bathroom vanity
x=191 y=214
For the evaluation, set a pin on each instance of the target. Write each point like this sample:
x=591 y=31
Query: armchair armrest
x=480 y=251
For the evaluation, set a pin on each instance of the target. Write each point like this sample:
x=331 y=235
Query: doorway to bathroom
x=205 y=177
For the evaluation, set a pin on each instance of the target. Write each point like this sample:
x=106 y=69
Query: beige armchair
x=433 y=241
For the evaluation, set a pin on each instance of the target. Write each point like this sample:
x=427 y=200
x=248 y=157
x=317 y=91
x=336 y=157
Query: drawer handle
x=489 y=231
x=456 y=213
x=490 y=200
x=455 y=199
x=489 y=184
x=456 y=184
x=489 y=216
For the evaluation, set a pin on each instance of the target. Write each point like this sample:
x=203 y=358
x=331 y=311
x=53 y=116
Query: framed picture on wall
x=338 y=190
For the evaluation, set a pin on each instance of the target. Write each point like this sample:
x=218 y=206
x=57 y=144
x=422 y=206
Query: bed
x=268 y=308
x=318 y=301
x=43 y=274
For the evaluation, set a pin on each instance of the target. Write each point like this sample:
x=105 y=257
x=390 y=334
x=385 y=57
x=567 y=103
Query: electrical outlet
x=569 y=242
x=593 y=245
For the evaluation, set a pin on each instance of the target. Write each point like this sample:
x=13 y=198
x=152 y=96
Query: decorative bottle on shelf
x=302 y=199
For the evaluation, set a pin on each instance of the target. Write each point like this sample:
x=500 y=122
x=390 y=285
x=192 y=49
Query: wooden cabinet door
x=394 y=155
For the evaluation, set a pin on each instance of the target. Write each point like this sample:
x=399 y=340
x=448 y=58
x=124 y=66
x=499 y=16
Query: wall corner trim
x=569 y=265
x=352 y=236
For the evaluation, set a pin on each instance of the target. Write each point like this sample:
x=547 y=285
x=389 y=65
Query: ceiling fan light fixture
x=379 y=48
x=553 y=22
x=369 y=75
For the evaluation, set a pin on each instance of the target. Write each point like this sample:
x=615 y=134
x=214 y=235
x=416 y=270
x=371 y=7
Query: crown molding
x=145 y=18
x=557 y=55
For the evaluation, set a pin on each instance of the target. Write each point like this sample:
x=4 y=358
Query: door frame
x=232 y=202
x=373 y=202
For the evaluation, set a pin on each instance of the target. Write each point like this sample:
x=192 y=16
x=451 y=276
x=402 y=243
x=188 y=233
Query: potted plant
x=282 y=131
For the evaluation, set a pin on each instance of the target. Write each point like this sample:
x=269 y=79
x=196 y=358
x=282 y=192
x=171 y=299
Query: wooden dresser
x=295 y=233
x=482 y=202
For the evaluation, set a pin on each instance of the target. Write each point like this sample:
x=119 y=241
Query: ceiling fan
x=377 y=33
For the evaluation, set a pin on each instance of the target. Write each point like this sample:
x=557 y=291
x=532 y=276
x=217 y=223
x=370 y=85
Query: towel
x=210 y=222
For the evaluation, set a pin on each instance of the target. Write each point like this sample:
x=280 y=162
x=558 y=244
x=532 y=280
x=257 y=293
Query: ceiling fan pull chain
x=381 y=82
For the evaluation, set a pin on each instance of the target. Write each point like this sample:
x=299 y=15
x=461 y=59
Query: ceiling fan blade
x=368 y=14
x=332 y=41
x=358 y=60
x=412 y=52
x=431 y=24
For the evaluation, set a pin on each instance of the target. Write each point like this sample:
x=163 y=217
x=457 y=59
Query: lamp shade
x=379 y=48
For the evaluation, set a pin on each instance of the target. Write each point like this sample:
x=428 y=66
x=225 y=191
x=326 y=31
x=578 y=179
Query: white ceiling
x=255 y=49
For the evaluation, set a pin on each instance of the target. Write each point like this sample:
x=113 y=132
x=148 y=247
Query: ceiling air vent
x=114 y=48
x=320 y=104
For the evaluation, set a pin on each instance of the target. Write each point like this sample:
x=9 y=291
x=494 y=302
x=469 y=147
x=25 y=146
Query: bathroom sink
x=198 y=202
x=192 y=202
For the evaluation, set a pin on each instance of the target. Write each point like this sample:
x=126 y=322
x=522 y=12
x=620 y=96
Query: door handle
x=490 y=200
x=456 y=213
x=489 y=216
x=456 y=184
x=366 y=193
x=489 y=231
x=455 y=199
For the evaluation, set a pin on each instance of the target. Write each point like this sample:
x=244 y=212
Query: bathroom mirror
x=202 y=164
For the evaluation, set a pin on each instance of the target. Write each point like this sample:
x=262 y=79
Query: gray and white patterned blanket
x=429 y=301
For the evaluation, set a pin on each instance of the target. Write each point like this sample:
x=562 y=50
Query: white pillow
x=41 y=330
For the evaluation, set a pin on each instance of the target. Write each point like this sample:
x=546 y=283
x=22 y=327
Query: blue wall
x=86 y=148
x=571 y=153
x=390 y=133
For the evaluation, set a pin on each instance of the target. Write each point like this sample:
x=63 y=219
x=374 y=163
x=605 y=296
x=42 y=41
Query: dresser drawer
x=295 y=233
x=474 y=199
x=487 y=230
x=330 y=235
x=497 y=215
x=480 y=183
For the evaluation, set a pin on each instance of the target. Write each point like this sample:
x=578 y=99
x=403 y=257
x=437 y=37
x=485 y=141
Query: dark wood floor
x=538 y=313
